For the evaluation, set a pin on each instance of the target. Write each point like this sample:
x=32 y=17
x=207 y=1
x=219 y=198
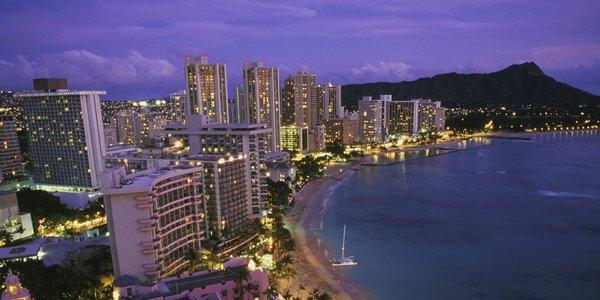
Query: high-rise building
x=66 y=138
x=403 y=116
x=294 y=138
x=154 y=219
x=11 y=166
x=320 y=106
x=332 y=100
x=334 y=130
x=110 y=135
x=440 y=118
x=370 y=114
x=158 y=215
x=227 y=200
x=413 y=116
x=179 y=105
x=316 y=138
x=233 y=111
x=304 y=98
x=207 y=89
x=231 y=139
x=427 y=114
x=351 y=128
x=288 y=106
x=139 y=127
x=386 y=103
x=9 y=105
x=260 y=101
x=241 y=113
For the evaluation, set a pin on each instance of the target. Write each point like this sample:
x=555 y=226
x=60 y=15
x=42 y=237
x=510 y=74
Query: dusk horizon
x=136 y=50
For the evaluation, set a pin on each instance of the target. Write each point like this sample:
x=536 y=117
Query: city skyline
x=101 y=45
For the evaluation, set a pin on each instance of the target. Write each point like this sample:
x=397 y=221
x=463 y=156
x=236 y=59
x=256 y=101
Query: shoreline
x=311 y=261
x=313 y=266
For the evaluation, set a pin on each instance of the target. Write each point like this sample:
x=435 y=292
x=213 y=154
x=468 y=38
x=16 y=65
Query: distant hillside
x=524 y=83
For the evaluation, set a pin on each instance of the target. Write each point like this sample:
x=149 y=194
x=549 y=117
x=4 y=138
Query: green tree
x=210 y=260
x=242 y=275
x=280 y=196
x=336 y=148
x=356 y=154
x=270 y=292
x=309 y=168
x=5 y=237
x=193 y=259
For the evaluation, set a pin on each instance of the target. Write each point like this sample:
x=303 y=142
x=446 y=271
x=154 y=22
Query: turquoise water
x=510 y=220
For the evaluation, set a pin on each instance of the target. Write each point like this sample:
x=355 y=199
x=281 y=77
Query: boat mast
x=343 y=240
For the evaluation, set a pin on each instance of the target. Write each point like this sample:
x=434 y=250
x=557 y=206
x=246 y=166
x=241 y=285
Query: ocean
x=501 y=219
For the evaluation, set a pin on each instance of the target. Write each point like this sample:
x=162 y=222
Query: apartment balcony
x=146 y=228
x=146 y=221
x=149 y=251
x=151 y=273
x=144 y=205
x=148 y=245
x=151 y=266
x=143 y=198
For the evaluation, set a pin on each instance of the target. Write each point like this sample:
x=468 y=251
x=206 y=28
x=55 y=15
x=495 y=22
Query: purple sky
x=136 y=48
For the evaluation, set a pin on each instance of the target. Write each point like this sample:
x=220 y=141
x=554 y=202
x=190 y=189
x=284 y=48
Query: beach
x=312 y=264
x=306 y=218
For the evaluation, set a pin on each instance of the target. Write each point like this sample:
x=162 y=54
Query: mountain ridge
x=519 y=83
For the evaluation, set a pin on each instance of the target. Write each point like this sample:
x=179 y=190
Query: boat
x=344 y=260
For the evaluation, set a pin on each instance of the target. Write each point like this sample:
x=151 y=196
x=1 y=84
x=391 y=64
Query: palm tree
x=315 y=294
x=301 y=288
x=242 y=275
x=210 y=260
x=193 y=258
x=5 y=237
x=20 y=230
x=287 y=295
x=271 y=293
x=288 y=272
x=252 y=289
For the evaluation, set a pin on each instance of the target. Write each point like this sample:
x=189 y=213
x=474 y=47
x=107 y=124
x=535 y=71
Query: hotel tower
x=259 y=102
x=207 y=89
x=66 y=138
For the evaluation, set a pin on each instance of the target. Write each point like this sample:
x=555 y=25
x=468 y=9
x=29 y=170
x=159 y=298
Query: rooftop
x=58 y=93
x=29 y=249
x=7 y=192
x=175 y=286
x=115 y=181
x=276 y=154
x=234 y=126
x=280 y=165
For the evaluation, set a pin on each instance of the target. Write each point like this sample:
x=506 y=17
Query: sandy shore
x=312 y=264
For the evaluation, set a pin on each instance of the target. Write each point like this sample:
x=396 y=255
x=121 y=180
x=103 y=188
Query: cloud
x=84 y=68
x=388 y=71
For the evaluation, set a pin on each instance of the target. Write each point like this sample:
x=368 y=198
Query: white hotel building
x=66 y=137
x=157 y=216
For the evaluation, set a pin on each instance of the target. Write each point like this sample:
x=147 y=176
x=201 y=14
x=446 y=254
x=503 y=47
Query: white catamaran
x=344 y=260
